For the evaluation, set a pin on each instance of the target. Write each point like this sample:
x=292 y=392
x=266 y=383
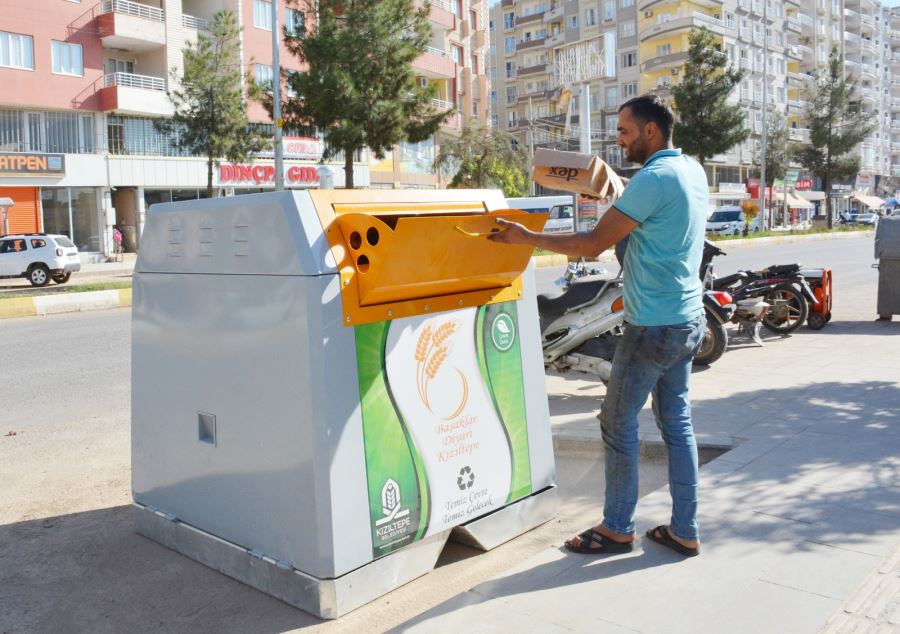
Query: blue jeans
x=652 y=360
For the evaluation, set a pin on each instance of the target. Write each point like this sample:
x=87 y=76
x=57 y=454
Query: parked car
x=560 y=208
x=869 y=218
x=38 y=257
x=729 y=221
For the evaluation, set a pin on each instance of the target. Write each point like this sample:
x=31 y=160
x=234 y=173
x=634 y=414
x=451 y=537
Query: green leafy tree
x=210 y=116
x=707 y=125
x=778 y=149
x=837 y=125
x=480 y=158
x=359 y=88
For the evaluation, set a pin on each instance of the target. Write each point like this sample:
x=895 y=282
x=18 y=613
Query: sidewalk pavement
x=800 y=520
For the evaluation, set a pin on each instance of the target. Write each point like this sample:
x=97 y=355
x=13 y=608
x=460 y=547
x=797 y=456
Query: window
x=264 y=76
x=629 y=90
x=626 y=3
x=572 y=22
x=612 y=97
x=590 y=17
x=627 y=28
x=510 y=43
x=294 y=22
x=473 y=61
x=510 y=70
x=663 y=49
x=119 y=66
x=609 y=10
x=511 y=119
x=456 y=52
x=66 y=58
x=629 y=59
x=16 y=51
x=614 y=156
x=509 y=20
x=262 y=14
x=38 y=244
x=473 y=19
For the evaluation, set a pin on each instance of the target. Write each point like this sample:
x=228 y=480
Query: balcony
x=435 y=64
x=440 y=13
x=127 y=93
x=664 y=61
x=793 y=24
x=194 y=23
x=796 y=106
x=524 y=45
x=695 y=20
x=799 y=134
x=555 y=14
x=555 y=40
x=528 y=19
x=794 y=51
x=868 y=45
x=131 y=26
x=537 y=69
x=442 y=105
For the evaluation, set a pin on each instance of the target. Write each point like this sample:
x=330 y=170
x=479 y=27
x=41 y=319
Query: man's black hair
x=647 y=108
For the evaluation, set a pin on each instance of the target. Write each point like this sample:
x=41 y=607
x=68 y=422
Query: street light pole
x=764 y=142
x=276 y=102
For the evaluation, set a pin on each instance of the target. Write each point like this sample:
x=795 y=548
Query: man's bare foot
x=600 y=529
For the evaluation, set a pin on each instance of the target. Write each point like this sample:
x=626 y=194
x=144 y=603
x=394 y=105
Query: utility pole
x=762 y=153
x=276 y=102
x=530 y=134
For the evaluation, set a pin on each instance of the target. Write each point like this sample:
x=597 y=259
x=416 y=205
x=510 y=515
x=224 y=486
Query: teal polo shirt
x=669 y=198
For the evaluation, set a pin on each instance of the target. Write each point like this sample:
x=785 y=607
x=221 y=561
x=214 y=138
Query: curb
x=71 y=302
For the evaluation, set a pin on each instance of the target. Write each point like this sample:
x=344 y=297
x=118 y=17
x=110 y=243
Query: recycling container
x=326 y=384
x=887 y=252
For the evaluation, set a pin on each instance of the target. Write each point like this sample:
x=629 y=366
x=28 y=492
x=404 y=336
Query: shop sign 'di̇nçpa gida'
x=444 y=422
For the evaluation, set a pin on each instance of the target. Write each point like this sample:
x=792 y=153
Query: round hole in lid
x=372 y=236
x=362 y=263
x=355 y=240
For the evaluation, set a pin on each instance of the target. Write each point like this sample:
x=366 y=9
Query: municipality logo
x=503 y=332
x=390 y=503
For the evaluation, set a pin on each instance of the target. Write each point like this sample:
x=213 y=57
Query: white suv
x=729 y=221
x=38 y=257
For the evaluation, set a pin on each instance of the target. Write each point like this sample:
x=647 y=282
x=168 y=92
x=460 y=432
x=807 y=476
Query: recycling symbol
x=466 y=479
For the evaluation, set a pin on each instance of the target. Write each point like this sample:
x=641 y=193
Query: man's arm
x=613 y=226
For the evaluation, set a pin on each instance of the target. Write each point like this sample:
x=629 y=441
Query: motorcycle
x=581 y=328
x=782 y=287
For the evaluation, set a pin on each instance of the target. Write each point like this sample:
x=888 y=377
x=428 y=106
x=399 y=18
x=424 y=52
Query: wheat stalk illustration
x=436 y=361
x=422 y=348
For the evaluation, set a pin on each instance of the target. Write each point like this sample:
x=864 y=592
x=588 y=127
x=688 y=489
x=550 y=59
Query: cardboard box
x=583 y=174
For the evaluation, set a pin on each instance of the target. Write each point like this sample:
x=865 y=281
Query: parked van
x=729 y=221
x=560 y=208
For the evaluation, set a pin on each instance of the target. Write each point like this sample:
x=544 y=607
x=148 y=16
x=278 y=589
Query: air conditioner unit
x=648 y=14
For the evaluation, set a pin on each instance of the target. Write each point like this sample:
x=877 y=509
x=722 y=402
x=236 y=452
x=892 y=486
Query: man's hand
x=513 y=233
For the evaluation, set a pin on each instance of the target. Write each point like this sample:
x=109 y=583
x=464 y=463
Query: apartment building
x=778 y=43
x=455 y=63
x=84 y=81
x=527 y=94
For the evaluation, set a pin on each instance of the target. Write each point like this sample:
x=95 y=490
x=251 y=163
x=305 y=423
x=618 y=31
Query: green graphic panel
x=398 y=499
x=500 y=360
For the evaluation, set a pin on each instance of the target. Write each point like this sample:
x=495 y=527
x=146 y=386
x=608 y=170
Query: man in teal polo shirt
x=663 y=213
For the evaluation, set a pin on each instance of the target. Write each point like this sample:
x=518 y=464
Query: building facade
x=779 y=44
x=85 y=80
x=455 y=63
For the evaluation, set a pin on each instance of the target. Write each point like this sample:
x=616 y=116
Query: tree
x=837 y=125
x=210 y=117
x=707 y=125
x=359 y=89
x=479 y=158
x=751 y=211
x=778 y=149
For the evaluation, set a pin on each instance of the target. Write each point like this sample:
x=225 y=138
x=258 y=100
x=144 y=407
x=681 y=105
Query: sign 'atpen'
x=21 y=164
x=260 y=174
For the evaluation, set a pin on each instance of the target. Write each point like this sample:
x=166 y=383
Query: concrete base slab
x=325 y=598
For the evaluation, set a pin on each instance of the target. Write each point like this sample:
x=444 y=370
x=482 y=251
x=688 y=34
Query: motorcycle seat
x=729 y=280
x=782 y=269
x=580 y=292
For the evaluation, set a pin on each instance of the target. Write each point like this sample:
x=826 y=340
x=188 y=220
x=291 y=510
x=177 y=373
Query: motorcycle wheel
x=788 y=309
x=816 y=321
x=714 y=343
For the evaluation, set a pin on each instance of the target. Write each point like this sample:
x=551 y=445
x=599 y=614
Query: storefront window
x=85 y=225
x=55 y=204
x=155 y=196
